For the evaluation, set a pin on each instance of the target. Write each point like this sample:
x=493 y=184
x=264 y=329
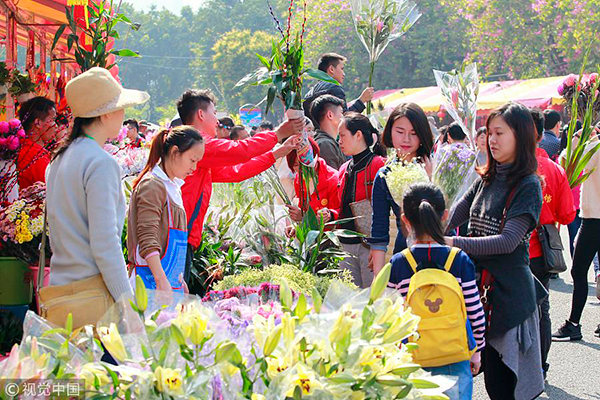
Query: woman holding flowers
x=356 y=177
x=157 y=223
x=503 y=207
x=86 y=203
x=408 y=132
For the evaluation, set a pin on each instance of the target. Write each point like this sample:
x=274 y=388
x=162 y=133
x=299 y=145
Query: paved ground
x=574 y=366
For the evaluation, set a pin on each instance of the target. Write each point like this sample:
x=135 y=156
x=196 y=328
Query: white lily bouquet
x=379 y=22
x=454 y=165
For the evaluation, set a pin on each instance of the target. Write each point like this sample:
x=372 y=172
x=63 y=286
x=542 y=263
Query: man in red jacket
x=557 y=207
x=224 y=160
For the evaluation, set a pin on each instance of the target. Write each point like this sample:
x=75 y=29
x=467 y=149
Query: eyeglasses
x=225 y=127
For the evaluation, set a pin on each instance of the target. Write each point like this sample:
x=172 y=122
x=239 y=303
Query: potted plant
x=283 y=73
x=22 y=87
x=21 y=226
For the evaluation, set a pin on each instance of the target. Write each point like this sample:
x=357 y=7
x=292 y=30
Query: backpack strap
x=453 y=252
x=411 y=260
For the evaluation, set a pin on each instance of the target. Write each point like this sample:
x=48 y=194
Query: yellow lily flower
x=343 y=324
x=168 y=380
x=306 y=379
x=113 y=342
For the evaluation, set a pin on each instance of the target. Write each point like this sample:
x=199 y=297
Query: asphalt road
x=574 y=366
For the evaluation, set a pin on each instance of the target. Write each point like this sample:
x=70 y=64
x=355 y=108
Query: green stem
x=371 y=71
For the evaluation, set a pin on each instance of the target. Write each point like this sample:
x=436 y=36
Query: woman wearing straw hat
x=86 y=204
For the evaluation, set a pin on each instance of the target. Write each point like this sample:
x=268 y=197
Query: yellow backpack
x=436 y=296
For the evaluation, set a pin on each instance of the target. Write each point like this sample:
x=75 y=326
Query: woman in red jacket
x=557 y=207
x=325 y=200
x=357 y=137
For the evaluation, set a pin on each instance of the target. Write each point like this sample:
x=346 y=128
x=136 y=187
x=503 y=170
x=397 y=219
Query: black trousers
x=500 y=381
x=587 y=245
x=538 y=269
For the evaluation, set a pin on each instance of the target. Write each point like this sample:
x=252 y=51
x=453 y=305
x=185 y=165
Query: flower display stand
x=15 y=287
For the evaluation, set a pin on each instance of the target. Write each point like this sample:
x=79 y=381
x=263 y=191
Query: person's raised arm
x=223 y=152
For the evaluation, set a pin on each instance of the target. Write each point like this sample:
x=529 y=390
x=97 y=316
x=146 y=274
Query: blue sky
x=172 y=5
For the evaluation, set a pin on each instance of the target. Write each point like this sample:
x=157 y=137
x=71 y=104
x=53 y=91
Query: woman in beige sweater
x=157 y=229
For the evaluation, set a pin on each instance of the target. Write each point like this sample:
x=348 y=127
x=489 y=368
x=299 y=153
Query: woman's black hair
x=355 y=122
x=76 y=131
x=423 y=206
x=420 y=123
x=519 y=119
x=35 y=108
x=481 y=131
x=184 y=137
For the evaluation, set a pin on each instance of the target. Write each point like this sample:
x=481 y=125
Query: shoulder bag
x=87 y=300
x=552 y=248
x=363 y=210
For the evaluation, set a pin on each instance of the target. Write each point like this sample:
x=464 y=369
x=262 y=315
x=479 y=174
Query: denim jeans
x=463 y=389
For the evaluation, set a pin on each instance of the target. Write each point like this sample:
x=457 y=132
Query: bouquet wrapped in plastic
x=379 y=22
x=454 y=172
x=349 y=344
x=460 y=90
x=401 y=175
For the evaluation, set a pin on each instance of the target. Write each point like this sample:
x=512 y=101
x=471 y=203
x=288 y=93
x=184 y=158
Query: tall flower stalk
x=379 y=22
x=581 y=148
x=283 y=73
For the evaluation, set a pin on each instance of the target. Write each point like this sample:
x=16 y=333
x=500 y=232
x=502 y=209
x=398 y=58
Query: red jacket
x=327 y=188
x=557 y=200
x=224 y=161
x=32 y=162
x=360 y=193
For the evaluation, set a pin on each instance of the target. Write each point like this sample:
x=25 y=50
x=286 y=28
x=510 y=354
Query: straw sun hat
x=96 y=92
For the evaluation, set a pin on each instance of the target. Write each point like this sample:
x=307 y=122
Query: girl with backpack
x=438 y=283
x=503 y=207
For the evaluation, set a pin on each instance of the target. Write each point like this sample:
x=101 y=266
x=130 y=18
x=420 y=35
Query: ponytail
x=77 y=131
x=424 y=205
x=184 y=137
x=355 y=122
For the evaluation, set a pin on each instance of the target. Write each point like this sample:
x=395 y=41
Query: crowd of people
x=502 y=277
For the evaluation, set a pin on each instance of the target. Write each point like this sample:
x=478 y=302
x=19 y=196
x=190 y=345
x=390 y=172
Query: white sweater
x=86 y=212
x=590 y=188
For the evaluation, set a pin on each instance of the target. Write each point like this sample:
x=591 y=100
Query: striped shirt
x=463 y=270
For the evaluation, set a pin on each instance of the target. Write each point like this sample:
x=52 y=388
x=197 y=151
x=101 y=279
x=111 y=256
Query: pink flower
x=379 y=25
x=21 y=133
x=561 y=89
x=14 y=123
x=3 y=127
x=12 y=142
x=592 y=79
x=3 y=142
x=570 y=80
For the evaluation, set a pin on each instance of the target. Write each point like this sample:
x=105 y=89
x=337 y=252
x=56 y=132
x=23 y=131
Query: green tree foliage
x=529 y=38
x=215 y=46
x=234 y=56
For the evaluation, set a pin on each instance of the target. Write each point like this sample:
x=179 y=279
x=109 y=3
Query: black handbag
x=552 y=248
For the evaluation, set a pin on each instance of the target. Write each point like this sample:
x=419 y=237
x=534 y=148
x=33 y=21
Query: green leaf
x=317 y=300
x=124 y=53
x=285 y=294
x=301 y=307
x=423 y=384
x=264 y=61
x=320 y=75
x=177 y=334
x=270 y=98
x=58 y=34
x=406 y=369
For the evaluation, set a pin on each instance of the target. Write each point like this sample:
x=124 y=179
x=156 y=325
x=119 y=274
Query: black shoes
x=597 y=331
x=567 y=332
